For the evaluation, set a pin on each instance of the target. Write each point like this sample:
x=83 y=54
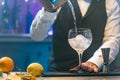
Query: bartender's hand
x=89 y=66
x=52 y=5
x=86 y=66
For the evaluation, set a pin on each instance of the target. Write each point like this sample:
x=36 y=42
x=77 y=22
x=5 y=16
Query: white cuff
x=50 y=15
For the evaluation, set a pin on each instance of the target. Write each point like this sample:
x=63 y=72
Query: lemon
x=33 y=78
x=35 y=69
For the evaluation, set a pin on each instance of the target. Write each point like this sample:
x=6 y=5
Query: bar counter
x=83 y=76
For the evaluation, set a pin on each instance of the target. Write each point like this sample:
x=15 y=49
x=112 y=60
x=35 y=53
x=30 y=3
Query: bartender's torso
x=64 y=57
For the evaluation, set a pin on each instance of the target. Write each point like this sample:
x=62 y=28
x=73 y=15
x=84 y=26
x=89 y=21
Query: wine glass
x=80 y=39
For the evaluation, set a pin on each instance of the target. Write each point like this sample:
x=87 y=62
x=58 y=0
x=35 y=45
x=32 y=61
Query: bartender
x=103 y=16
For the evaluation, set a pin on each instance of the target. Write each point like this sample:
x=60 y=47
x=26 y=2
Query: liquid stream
x=73 y=14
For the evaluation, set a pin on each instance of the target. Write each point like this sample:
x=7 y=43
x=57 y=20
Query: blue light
x=54 y=1
x=50 y=32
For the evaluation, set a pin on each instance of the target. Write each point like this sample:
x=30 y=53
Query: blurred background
x=15 y=19
x=16 y=15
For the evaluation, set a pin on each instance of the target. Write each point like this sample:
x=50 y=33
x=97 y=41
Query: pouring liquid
x=73 y=14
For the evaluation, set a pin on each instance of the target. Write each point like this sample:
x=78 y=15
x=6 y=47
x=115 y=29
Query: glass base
x=79 y=71
x=82 y=71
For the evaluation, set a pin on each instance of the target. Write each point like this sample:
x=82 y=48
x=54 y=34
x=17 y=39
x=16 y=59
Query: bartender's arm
x=41 y=24
x=45 y=18
x=111 y=38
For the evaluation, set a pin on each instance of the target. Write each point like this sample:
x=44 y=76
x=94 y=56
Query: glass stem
x=80 y=58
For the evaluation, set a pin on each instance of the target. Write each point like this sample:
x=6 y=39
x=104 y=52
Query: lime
x=1 y=73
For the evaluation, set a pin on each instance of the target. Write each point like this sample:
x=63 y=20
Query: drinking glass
x=80 y=39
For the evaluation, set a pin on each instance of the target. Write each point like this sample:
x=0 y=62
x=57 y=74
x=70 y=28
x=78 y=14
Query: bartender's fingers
x=89 y=66
x=74 y=69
